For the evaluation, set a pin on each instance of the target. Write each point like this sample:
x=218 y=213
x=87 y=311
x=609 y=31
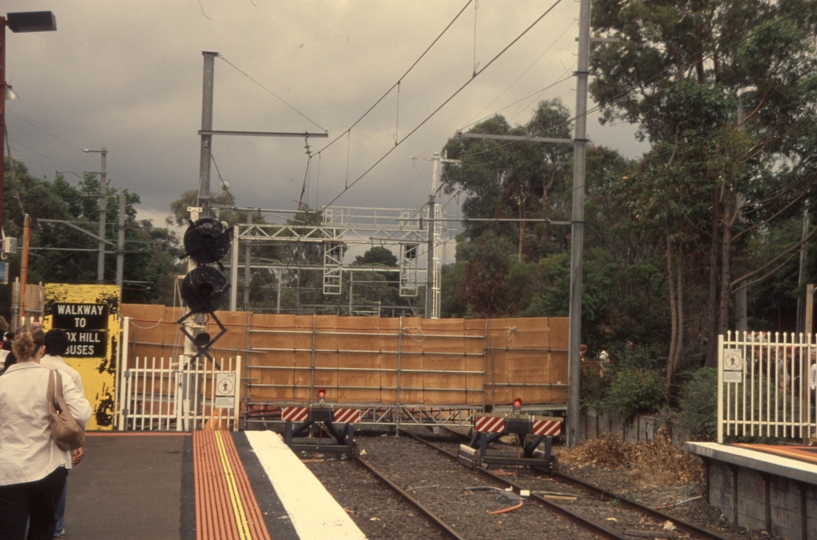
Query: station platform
x=760 y=486
x=200 y=485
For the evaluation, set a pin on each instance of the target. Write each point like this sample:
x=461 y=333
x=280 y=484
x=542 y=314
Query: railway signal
x=205 y=288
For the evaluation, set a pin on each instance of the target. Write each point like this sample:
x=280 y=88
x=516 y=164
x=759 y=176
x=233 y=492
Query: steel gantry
x=339 y=231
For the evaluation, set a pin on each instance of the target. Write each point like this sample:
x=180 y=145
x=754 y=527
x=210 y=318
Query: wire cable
x=444 y=103
x=392 y=87
x=270 y=92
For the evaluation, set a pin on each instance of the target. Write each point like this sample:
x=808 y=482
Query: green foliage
x=484 y=285
x=63 y=254
x=698 y=403
x=377 y=255
x=634 y=391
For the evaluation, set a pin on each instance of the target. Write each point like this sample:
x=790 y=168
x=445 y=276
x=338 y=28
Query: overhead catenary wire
x=71 y=167
x=444 y=103
x=13 y=176
x=392 y=87
x=665 y=74
x=270 y=92
x=535 y=95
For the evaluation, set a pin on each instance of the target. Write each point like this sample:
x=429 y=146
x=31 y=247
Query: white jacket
x=27 y=451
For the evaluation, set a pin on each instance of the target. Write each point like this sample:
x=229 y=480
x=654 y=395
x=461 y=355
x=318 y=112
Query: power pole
x=577 y=228
x=103 y=203
x=432 y=310
x=120 y=244
x=247 y=275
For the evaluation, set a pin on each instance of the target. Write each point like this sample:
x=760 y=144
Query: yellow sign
x=89 y=315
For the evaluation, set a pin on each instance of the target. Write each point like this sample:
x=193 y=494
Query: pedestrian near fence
x=33 y=468
x=56 y=343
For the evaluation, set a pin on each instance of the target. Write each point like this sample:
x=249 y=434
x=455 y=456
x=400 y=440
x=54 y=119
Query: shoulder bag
x=65 y=431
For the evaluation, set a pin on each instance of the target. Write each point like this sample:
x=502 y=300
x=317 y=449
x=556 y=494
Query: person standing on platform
x=32 y=467
x=56 y=343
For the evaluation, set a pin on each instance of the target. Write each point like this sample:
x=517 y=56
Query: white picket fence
x=766 y=385
x=166 y=394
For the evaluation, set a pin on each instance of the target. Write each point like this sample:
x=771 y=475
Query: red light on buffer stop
x=517 y=406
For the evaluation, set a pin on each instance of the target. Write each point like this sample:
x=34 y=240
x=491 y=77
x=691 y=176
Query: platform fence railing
x=766 y=387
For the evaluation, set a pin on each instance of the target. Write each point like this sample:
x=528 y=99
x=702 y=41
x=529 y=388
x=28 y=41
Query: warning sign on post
x=225 y=391
x=732 y=365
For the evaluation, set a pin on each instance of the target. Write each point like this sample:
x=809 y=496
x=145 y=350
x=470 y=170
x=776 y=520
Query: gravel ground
x=381 y=514
x=696 y=512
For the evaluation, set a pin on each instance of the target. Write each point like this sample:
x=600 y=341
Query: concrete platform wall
x=594 y=425
x=763 y=501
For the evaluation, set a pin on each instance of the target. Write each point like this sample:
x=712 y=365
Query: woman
x=33 y=469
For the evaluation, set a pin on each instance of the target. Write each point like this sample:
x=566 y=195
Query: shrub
x=699 y=405
x=634 y=391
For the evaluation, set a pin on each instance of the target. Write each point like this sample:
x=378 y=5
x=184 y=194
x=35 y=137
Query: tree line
x=723 y=200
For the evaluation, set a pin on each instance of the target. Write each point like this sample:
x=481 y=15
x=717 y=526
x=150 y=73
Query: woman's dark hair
x=56 y=342
x=27 y=340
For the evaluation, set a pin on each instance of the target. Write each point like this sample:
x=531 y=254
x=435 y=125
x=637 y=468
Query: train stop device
x=337 y=422
x=530 y=431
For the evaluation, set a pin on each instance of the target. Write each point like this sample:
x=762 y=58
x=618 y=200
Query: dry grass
x=656 y=462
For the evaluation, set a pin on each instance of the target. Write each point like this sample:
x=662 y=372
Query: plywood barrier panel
x=559 y=330
x=558 y=375
x=475 y=344
x=359 y=378
x=388 y=358
x=358 y=360
x=146 y=327
x=270 y=384
x=443 y=348
x=528 y=333
x=235 y=340
x=304 y=377
x=528 y=372
x=303 y=325
x=325 y=344
x=411 y=364
x=497 y=343
x=326 y=338
x=411 y=379
x=359 y=356
x=273 y=331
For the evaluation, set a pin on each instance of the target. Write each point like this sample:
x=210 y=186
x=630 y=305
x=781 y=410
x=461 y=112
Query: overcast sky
x=127 y=76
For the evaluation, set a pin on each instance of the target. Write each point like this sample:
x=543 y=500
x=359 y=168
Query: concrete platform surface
x=142 y=485
x=784 y=464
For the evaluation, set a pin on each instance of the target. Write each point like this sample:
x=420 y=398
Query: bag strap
x=55 y=391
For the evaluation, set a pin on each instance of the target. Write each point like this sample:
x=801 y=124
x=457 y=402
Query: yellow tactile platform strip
x=226 y=508
x=802 y=453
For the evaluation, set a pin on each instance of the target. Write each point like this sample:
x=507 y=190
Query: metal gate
x=767 y=384
x=176 y=394
x=164 y=394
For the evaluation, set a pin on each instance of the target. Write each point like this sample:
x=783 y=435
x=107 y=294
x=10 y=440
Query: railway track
x=433 y=496
x=573 y=495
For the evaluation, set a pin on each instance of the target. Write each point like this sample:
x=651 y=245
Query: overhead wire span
x=392 y=87
x=111 y=170
x=535 y=95
x=444 y=103
x=223 y=184
x=270 y=92
x=665 y=74
x=13 y=176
